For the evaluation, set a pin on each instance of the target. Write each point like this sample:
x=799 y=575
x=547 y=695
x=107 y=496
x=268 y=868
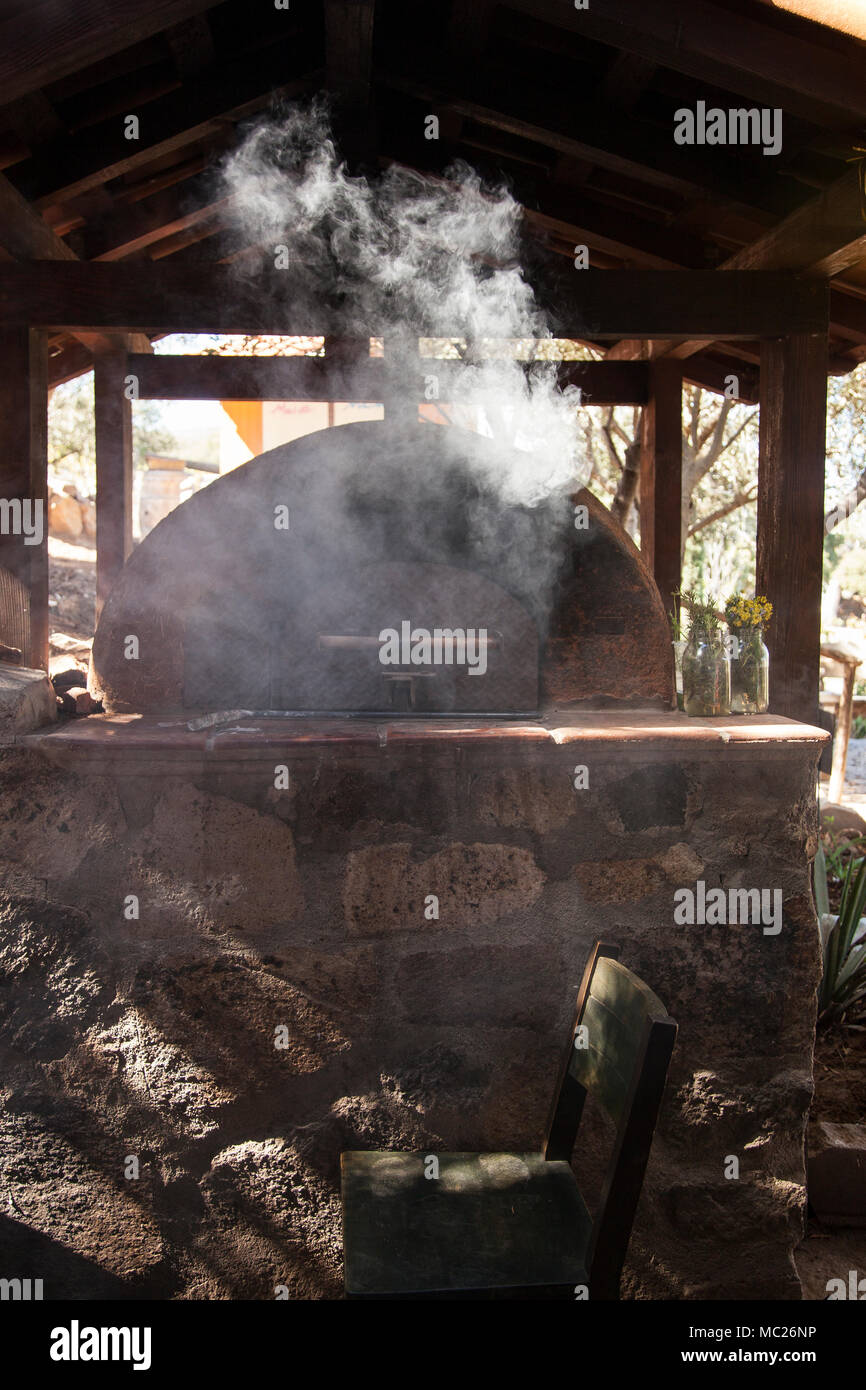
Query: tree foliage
x=71 y=434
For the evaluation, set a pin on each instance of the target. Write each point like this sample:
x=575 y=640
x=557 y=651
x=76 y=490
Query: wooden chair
x=515 y=1224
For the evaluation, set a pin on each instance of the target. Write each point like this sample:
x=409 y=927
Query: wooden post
x=844 y=714
x=348 y=69
x=345 y=360
x=661 y=477
x=113 y=472
x=790 y=546
x=24 y=488
x=401 y=382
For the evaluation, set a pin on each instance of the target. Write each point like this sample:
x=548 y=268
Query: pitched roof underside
x=574 y=108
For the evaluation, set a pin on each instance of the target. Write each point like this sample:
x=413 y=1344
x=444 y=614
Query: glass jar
x=750 y=671
x=706 y=677
x=679 y=648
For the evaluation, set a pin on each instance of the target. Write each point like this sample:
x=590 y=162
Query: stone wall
x=309 y=910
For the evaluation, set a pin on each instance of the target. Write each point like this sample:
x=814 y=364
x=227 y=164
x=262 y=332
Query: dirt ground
x=829 y=1254
x=72 y=602
x=840 y=1077
x=72 y=588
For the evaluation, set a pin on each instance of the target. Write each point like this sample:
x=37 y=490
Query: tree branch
x=738 y=500
x=628 y=483
x=849 y=504
x=606 y=436
x=716 y=427
x=704 y=462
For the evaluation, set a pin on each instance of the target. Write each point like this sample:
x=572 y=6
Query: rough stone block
x=213 y=860
x=510 y=797
x=619 y=880
x=837 y=1173
x=27 y=700
x=475 y=885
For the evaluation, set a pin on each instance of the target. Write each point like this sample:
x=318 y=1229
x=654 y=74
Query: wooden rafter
x=611 y=140
x=823 y=238
x=739 y=53
x=47 y=39
x=348 y=71
x=219 y=97
x=349 y=48
x=587 y=165
x=27 y=237
x=129 y=229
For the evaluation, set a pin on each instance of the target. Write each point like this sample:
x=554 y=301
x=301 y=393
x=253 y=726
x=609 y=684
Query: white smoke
x=407 y=256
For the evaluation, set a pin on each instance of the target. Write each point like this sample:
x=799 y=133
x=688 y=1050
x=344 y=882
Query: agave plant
x=843 y=939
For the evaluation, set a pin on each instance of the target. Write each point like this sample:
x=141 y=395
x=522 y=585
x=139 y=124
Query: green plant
x=843 y=983
x=839 y=848
x=704 y=621
x=858 y=727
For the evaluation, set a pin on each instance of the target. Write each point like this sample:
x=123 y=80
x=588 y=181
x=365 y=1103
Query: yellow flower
x=748 y=612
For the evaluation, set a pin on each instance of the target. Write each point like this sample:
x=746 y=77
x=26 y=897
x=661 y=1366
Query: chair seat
x=489 y=1221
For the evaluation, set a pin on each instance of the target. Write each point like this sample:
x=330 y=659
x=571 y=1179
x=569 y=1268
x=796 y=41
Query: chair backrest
x=618 y=1051
x=14 y=612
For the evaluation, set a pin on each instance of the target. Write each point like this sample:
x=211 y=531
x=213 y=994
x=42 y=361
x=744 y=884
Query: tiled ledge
x=165 y=744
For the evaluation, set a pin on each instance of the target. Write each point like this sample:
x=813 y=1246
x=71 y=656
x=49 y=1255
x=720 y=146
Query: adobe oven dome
x=270 y=588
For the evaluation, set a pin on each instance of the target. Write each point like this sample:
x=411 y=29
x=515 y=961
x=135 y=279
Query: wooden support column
x=844 y=713
x=346 y=363
x=113 y=472
x=24 y=492
x=661 y=477
x=791 y=515
x=348 y=69
x=401 y=398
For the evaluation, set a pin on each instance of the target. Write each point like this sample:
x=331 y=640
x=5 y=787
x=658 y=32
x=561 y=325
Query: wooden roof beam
x=174 y=377
x=348 y=73
x=711 y=374
x=469 y=29
x=625 y=80
x=634 y=241
x=749 y=56
x=48 y=39
x=192 y=46
x=619 y=143
x=26 y=237
x=569 y=217
x=823 y=238
x=130 y=229
x=349 y=47
x=34 y=119
x=219 y=97
x=847 y=316
x=585 y=304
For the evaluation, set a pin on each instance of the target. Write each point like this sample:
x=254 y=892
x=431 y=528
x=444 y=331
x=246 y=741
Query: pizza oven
x=363 y=571
x=385 y=749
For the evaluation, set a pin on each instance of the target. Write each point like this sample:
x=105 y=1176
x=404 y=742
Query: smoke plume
x=406 y=256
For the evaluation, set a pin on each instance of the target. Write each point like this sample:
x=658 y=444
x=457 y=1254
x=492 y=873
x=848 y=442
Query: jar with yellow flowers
x=750 y=660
